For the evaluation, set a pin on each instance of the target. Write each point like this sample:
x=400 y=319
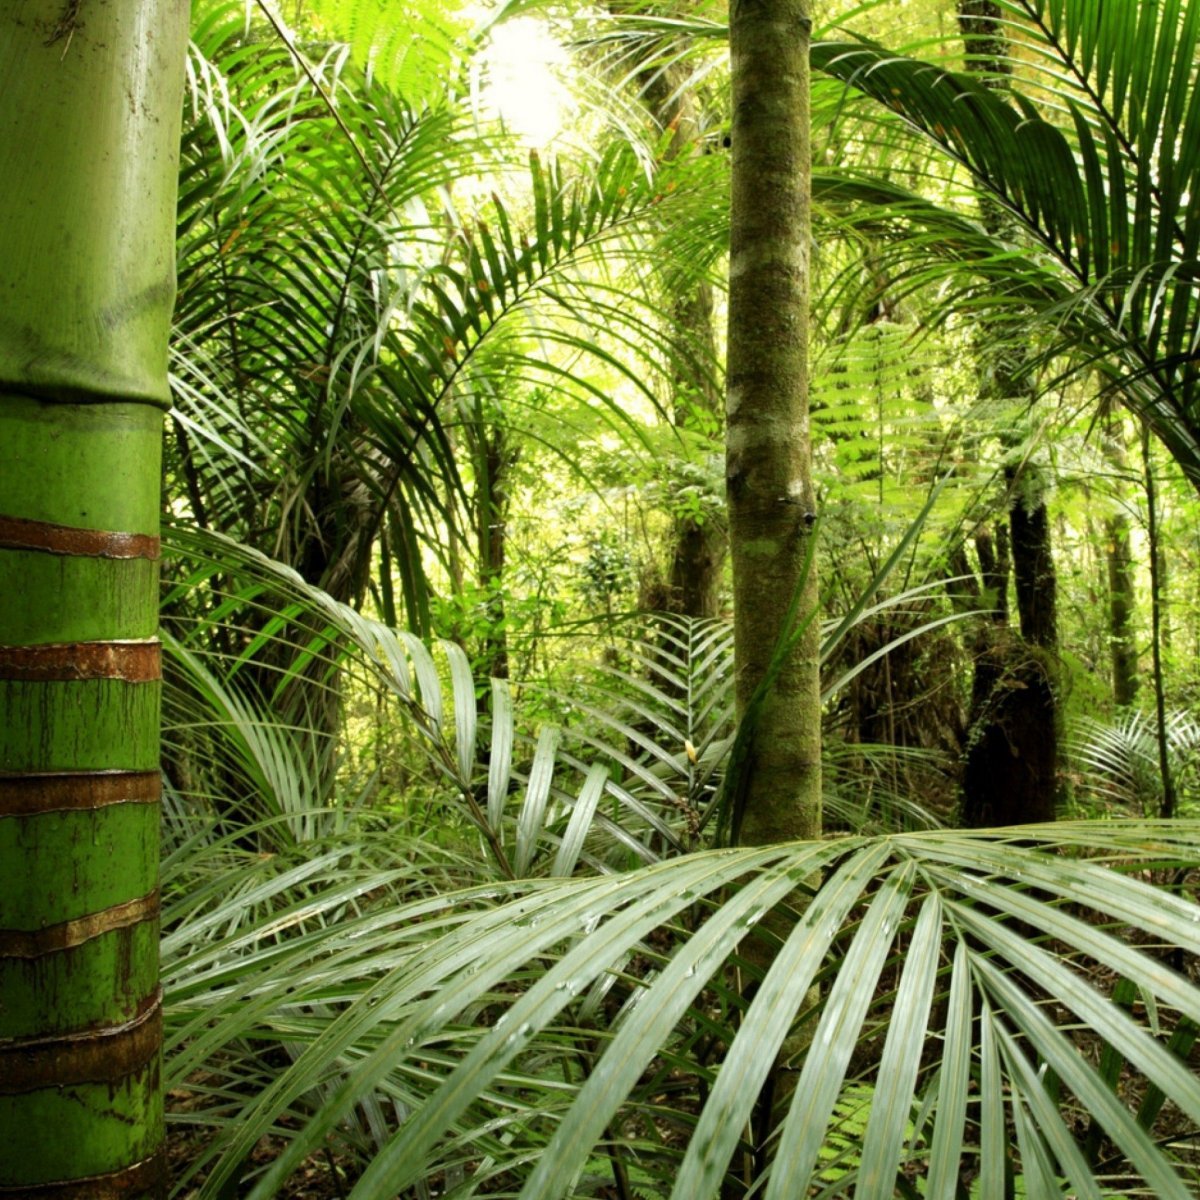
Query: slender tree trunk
x=89 y=138
x=768 y=472
x=1118 y=555
x=698 y=547
x=1167 y=808
x=495 y=458
x=1164 y=598
x=1121 y=608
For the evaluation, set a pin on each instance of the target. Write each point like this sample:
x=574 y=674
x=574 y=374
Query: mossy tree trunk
x=772 y=508
x=89 y=137
x=1121 y=608
x=495 y=458
x=1122 y=593
x=1010 y=768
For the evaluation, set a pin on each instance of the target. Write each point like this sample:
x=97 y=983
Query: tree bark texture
x=89 y=140
x=772 y=507
x=1011 y=755
x=1122 y=591
x=698 y=548
x=1034 y=578
x=495 y=459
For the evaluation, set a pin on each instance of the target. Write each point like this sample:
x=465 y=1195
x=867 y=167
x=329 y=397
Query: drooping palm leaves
x=532 y=797
x=1090 y=148
x=1118 y=764
x=337 y=302
x=1092 y=152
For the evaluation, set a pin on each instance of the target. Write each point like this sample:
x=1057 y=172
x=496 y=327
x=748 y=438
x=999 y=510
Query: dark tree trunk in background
x=1011 y=755
x=1012 y=746
x=1032 y=560
x=1118 y=553
x=496 y=458
x=698 y=548
x=1121 y=609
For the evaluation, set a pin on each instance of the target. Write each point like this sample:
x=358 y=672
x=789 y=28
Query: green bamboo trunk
x=772 y=507
x=89 y=136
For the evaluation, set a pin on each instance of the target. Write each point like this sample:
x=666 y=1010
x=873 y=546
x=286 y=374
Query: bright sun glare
x=519 y=83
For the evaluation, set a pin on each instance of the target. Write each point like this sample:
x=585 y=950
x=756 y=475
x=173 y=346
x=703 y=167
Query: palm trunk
x=1121 y=609
x=1122 y=599
x=768 y=471
x=89 y=135
x=496 y=459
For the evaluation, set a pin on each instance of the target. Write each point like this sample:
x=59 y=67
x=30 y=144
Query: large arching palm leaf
x=546 y=1040
x=610 y=1026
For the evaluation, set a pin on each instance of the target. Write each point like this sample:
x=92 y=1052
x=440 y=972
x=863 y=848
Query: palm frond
x=1118 y=762
x=934 y=955
x=337 y=308
x=1079 y=180
x=529 y=812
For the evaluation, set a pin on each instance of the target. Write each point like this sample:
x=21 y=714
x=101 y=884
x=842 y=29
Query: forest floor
x=326 y=1176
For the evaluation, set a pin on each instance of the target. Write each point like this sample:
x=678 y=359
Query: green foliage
x=518 y=1036
x=1091 y=153
x=496 y=958
x=1117 y=762
x=335 y=304
x=410 y=57
x=438 y=1018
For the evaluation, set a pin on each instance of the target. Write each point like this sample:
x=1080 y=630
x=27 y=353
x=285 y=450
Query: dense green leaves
x=505 y=974
x=1087 y=147
x=341 y=310
x=458 y=1013
x=933 y=990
